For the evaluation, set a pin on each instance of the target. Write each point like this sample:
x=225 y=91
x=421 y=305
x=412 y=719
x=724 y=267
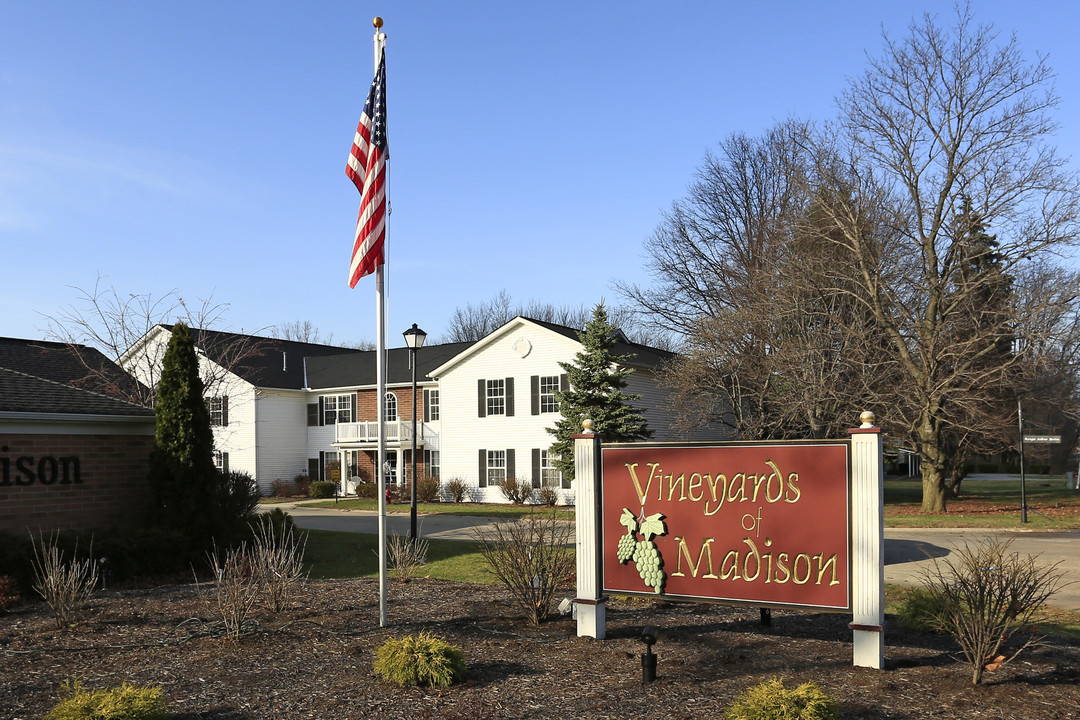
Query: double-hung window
x=496 y=467
x=549 y=386
x=219 y=410
x=431 y=404
x=337 y=408
x=496 y=397
x=549 y=475
x=390 y=407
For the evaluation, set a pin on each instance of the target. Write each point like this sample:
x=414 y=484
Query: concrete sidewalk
x=908 y=551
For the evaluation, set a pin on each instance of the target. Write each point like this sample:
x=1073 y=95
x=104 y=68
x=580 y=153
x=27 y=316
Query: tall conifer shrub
x=597 y=382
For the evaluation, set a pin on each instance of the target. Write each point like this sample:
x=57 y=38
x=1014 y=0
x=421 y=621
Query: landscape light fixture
x=414 y=338
x=649 y=636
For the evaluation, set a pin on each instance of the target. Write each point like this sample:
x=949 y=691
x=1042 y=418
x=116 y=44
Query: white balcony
x=397 y=434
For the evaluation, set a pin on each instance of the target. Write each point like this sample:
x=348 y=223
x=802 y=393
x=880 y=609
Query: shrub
x=986 y=596
x=772 y=701
x=546 y=495
x=456 y=490
x=421 y=659
x=428 y=490
x=278 y=559
x=919 y=611
x=516 y=490
x=367 y=490
x=127 y=702
x=64 y=585
x=238 y=501
x=236 y=588
x=405 y=556
x=302 y=483
x=531 y=557
x=9 y=592
x=283 y=488
x=322 y=489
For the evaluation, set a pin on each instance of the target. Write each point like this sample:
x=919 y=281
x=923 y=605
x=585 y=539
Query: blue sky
x=200 y=146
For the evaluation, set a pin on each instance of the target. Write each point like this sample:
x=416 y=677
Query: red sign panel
x=762 y=523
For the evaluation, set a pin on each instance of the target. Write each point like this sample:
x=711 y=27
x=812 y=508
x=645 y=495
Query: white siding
x=281 y=436
x=238 y=437
x=462 y=438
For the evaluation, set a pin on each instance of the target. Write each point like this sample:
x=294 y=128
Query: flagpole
x=379 y=41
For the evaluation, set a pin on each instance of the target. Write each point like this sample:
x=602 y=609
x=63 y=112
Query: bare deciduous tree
x=944 y=118
x=301 y=331
x=115 y=323
x=474 y=322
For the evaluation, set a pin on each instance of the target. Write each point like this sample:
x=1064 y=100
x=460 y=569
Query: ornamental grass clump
x=65 y=585
x=422 y=659
x=770 y=700
x=127 y=702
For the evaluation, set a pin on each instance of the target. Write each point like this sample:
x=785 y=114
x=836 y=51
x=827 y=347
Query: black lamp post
x=414 y=338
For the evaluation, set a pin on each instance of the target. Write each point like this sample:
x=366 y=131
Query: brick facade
x=68 y=481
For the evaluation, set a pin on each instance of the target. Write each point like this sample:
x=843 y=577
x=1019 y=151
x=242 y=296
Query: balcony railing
x=396 y=433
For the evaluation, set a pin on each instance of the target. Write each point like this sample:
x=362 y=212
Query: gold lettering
x=757 y=485
x=674 y=483
x=695 y=486
x=795 y=569
x=793 y=491
x=768 y=558
x=746 y=562
x=738 y=483
x=781 y=564
x=705 y=552
x=730 y=570
x=820 y=557
x=642 y=493
x=780 y=480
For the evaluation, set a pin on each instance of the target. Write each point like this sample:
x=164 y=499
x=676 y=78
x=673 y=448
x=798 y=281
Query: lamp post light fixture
x=414 y=338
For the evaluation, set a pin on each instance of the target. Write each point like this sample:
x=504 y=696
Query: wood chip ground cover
x=314 y=660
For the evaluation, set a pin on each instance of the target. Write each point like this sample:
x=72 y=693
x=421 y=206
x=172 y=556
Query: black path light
x=414 y=338
x=649 y=636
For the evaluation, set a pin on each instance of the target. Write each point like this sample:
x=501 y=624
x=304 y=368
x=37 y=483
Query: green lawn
x=347 y=555
x=1004 y=495
x=467 y=508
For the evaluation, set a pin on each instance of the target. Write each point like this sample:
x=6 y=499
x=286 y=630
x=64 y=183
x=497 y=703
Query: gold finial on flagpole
x=377 y=22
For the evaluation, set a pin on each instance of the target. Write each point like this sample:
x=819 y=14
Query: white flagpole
x=380 y=366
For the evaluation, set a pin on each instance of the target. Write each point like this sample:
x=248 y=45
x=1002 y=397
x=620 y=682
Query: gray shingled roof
x=263 y=362
x=358 y=370
x=47 y=377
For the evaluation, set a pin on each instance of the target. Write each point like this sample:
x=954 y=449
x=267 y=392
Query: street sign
x=1052 y=439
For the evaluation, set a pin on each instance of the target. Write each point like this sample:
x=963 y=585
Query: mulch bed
x=314 y=660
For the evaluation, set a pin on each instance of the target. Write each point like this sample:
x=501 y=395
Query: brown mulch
x=314 y=660
x=971 y=506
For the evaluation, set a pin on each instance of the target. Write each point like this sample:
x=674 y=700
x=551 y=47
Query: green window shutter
x=483 y=467
x=225 y=463
x=510 y=471
x=356 y=407
x=224 y=409
x=534 y=394
x=510 y=397
x=536 y=479
x=481 y=398
x=322 y=465
x=313 y=468
x=425 y=399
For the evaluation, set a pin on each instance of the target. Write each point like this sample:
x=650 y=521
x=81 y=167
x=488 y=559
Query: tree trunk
x=934 y=488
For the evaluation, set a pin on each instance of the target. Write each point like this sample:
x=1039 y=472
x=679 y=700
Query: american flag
x=367 y=169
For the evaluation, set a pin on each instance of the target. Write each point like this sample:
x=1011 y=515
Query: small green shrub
x=322 y=489
x=127 y=702
x=771 y=701
x=302 y=483
x=367 y=490
x=277 y=519
x=919 y=611
x=428 y=489
x=456 y=490
x=421 y=659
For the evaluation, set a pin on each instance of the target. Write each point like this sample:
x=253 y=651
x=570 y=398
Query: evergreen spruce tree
x=182 y=470
x=597 y=380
